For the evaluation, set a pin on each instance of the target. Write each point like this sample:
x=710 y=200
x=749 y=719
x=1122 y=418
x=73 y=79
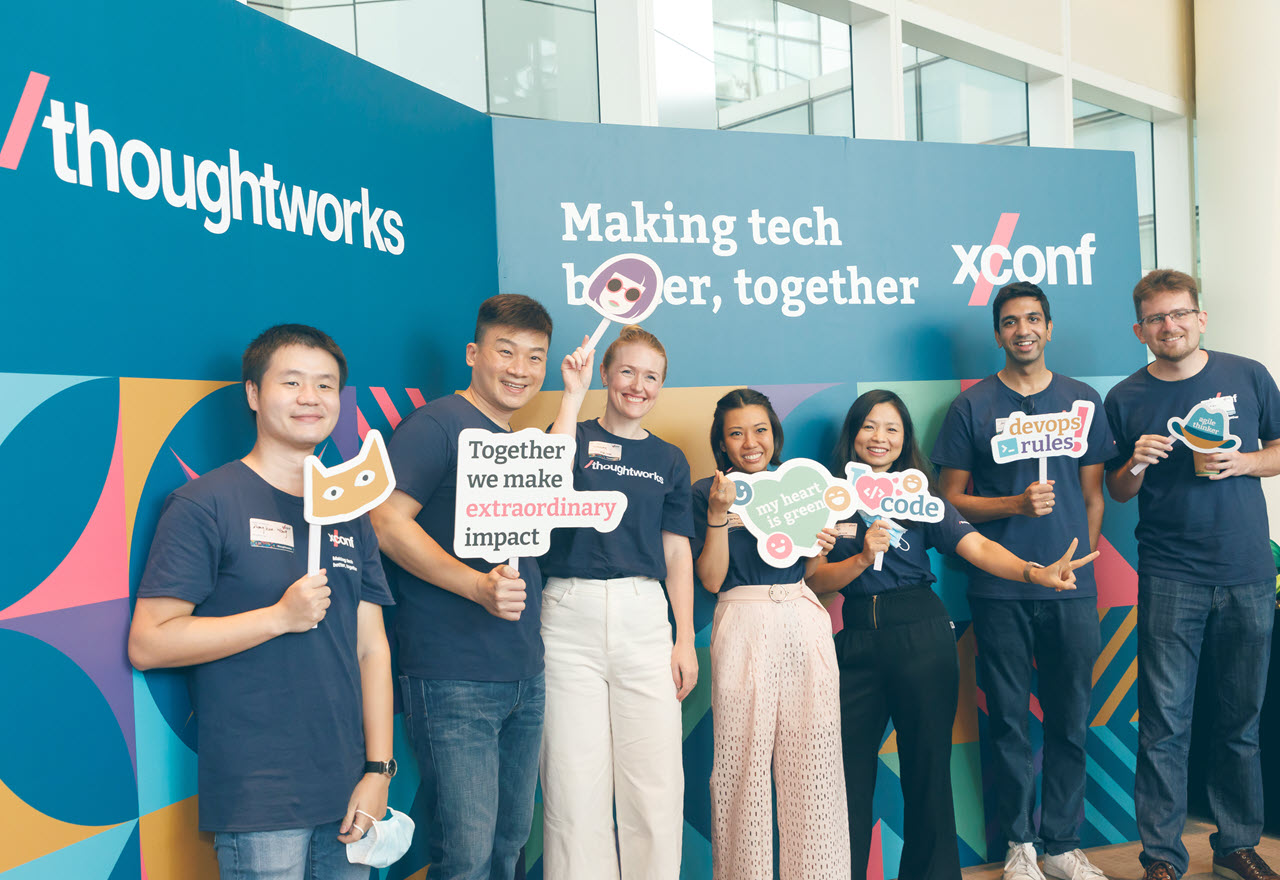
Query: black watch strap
x=386 y=768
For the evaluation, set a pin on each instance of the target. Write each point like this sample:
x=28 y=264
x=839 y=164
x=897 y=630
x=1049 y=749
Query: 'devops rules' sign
x=513 y=489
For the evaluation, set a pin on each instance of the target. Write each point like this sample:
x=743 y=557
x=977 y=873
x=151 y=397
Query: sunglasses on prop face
x=633 y=290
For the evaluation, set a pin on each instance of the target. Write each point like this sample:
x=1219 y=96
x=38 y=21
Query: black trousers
x=897 y=656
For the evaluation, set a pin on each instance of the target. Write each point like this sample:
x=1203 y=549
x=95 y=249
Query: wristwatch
x=386 y=768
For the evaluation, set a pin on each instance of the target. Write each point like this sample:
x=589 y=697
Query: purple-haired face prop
x=625 y=288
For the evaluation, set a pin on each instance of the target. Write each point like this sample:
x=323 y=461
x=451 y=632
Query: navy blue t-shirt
x=654 y=475
x=440 y=634
x=908 y=565
x=280 y=725
x=745 y=564
x=1190 y=528
x=964 y=443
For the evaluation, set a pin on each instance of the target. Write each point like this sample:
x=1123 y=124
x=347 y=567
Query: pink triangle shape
x=875 y=859
x=1117 y=581
x=96 y=569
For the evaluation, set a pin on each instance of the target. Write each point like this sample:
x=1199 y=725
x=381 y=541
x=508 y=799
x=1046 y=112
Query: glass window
x=950 y=101
x=1097 y=128
x=509 y=57
x=779 y=68
x=436 y=43
x=542 y=60
x=792 y=121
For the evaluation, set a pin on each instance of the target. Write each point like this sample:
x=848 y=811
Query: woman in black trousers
x=897 y=650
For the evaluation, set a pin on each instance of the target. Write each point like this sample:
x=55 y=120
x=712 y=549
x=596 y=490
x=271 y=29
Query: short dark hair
x=910 y=457
x=1017 y=290
x=258 y=355
x=737 y=399
x=1162 y=281
x=512 y=310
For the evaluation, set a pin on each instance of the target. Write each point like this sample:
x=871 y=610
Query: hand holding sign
x=575 y=369
x=875 y=541
x=1061 y=574
x=306 y=602
x=625 y=289
x=501 y=591
x=1037 y=500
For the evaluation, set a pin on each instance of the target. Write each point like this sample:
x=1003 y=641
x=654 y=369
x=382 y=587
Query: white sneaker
x=1020 y=862
x=1073 y=865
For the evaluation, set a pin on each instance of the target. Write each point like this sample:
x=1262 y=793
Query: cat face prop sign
x=1023 y=436
x=513 y=489
x=785 y=509
x=343 y=492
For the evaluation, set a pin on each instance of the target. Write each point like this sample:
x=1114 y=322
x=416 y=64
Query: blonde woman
x=614 y=676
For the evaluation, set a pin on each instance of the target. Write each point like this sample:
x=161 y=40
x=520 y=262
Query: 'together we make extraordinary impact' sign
x=513 y=489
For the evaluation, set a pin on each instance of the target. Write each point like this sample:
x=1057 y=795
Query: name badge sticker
x=270 y=535
x=734 y=521
x=607 y=451
x=846 y=530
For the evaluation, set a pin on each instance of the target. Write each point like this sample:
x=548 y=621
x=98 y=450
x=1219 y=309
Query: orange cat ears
x=345 y=491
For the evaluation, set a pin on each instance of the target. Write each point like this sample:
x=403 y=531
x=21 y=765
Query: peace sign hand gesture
x=1061 y=574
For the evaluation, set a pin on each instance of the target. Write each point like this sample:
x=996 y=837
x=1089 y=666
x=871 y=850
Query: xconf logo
x=1053 y=264
x=219 y=188
x=342 y=540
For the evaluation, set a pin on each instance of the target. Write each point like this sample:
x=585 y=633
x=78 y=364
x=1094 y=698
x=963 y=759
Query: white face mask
x=384 y=843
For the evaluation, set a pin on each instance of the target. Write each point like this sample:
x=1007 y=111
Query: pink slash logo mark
x=1000 y=238
x=25 y=117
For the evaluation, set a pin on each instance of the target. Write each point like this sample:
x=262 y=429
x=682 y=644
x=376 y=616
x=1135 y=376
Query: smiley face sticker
x=785 y=509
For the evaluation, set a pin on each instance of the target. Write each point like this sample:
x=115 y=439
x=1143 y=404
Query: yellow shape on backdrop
x=30 y=834
x=1114 y=644
x=149 y=410
x=1120 y=691
x=172 y=848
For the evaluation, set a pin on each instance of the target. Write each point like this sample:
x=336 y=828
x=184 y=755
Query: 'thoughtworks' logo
x=221 y=189
x=986 y=267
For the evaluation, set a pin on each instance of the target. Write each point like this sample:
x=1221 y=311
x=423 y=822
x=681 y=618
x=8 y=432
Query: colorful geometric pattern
x=97 y=762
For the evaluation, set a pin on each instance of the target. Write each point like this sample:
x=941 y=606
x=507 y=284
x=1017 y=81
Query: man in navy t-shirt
x=1206 y=579
x=291 y=673
x=470 y=646
x=1020 y=626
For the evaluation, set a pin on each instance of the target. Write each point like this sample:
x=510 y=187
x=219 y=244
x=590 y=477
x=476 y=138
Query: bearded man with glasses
x=1206 y=579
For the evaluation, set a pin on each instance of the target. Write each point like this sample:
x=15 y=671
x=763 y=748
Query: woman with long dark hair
x=774 y=687
x=897 y=650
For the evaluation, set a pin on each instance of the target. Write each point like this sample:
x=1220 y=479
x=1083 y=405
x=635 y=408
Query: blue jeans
x=292 y=854
x=1062 y=638
x=477 y=746
x=1233 y=624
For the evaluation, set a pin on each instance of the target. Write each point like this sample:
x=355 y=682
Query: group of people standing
x=578 y=679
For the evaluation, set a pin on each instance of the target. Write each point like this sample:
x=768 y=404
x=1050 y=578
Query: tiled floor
x=1120 y=862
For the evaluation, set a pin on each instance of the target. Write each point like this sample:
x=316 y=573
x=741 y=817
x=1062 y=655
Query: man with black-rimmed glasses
x=1206 y=579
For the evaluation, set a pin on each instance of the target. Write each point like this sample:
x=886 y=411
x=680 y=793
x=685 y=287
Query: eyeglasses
x=1178 y=315
x=1028 y=406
